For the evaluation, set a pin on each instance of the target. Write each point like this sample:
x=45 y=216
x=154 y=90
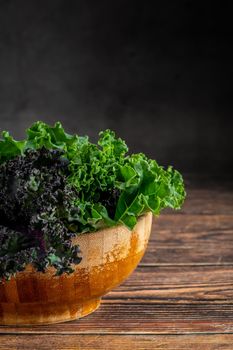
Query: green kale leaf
x=54 y=185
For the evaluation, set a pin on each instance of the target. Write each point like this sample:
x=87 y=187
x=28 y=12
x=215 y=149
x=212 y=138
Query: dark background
x=158 y=73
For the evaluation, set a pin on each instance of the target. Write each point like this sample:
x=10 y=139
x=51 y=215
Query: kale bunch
x=35 y=203
x=54 y=185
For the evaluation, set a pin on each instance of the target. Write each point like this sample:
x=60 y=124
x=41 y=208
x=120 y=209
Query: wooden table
x=180 y=297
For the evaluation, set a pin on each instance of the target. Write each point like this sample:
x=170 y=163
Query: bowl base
x=26 y=314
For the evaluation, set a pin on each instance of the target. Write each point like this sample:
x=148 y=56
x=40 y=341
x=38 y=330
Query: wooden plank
x=199 y=298
x=183 y=285
x=142 y=318
x=214 y=201
x=159 y=300
x=191 y=239
x=107 y=342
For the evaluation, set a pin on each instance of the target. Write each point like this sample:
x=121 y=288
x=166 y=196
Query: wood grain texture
x=142 y=317
x=177 y=284
x=180 y=297
x=111 y=342
x=191 y=239
x=217 y=200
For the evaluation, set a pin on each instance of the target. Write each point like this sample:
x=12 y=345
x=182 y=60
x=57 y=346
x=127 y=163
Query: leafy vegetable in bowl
x=54 y=186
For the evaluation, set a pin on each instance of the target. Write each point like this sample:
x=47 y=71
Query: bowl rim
x=119 y=225
x=50 y=269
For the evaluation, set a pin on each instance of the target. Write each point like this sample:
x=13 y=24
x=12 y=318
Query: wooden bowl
x=109 y=256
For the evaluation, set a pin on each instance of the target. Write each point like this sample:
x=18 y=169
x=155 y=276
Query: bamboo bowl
x=108 y=257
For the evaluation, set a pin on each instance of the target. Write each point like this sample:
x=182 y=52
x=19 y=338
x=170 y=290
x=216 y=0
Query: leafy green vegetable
x=10 y=148
x=35 y=201
x=53 y=179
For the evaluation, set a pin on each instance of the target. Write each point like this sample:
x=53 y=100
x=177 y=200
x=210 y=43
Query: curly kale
x=35 y=201
x=54 y=186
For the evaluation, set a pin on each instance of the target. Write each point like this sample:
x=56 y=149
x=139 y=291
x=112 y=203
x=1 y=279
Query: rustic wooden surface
x=180 y=297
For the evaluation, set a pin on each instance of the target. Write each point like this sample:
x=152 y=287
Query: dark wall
x=161 y=75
